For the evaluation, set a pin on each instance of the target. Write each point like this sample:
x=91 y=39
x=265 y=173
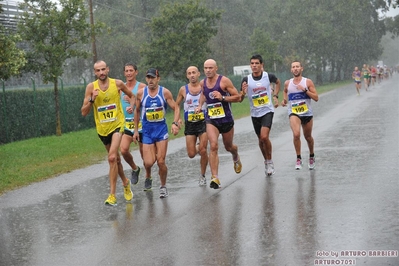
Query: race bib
x=107 y=113
x=299 y=108
x=216 y=110
x=154 y=114
x=195 y=117
x=129 y=123
x=260 y=99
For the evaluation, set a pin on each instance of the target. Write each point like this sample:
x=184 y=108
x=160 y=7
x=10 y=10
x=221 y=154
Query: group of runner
x=370 y=75
x=120 y=108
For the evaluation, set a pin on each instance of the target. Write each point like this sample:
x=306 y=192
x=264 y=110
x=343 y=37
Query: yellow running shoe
x=128 y=192
x=215 y=183
x=237 y=166
x=111 y=200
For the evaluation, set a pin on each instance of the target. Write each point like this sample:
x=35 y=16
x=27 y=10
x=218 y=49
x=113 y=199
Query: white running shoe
x=312 y=163
x=298 y=165
x=163 y=192
x=270 y=169
x=202 y=180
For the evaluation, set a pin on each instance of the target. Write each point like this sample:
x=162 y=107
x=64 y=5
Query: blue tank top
x=153 y=109
x=218 y=111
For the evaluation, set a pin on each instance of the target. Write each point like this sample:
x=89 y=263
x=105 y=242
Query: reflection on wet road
x=346 y=206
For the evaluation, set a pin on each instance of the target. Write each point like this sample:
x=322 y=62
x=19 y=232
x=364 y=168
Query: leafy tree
x=337 y=33
x=12 y=59
x=390 y=56
x=121 y=35
x=262 y=44
x=393 y=25
x=52 y=32
x=179 y=37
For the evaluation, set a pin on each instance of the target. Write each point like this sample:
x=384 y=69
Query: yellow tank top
x=107 y=109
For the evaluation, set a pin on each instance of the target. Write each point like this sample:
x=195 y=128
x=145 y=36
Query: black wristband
x=275 y=96
x=176 y=124
x=91 y=100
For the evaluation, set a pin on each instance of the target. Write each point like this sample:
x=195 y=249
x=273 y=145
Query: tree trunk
x=57 y=108
x=92 y=34
x=319 y=73
x=332 y=71
x=339 y=69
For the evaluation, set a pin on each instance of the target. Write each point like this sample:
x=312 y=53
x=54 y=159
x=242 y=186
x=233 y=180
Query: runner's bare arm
x=180 y=97
x=122 y=87
x=87 y=105
x=137 y=114
x=285 y=94
x=172 y=104
x=202 y=100
x=312 y=93
x=244 y=89
x=228 y=86
x=276 y=92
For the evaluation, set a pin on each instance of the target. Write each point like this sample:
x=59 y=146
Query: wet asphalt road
x=338 y=213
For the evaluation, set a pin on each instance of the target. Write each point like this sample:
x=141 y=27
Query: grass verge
x=33 y=160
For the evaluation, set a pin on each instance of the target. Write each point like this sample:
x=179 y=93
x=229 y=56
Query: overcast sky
x=393 y=12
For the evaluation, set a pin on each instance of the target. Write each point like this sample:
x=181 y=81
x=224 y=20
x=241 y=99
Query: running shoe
x=202 y=180
x=163 y=192
x=111 y=200
x=312 y=163
x=215 y=183
x=135 y=176
x=237 y=166
x=298 y=165
x=270 y=169
x=127 y=191
x=148 y=184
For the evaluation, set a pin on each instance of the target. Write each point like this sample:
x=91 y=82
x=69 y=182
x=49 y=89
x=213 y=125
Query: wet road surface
x=342 y=212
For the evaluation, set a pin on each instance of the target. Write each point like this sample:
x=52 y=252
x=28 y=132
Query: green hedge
x=28 y=113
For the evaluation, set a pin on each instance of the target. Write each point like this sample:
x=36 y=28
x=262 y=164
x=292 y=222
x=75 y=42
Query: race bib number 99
x=260 y=99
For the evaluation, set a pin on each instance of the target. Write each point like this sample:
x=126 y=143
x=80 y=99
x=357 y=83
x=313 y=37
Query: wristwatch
x=223 y=98
x=91 y=100
x=306 y=90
